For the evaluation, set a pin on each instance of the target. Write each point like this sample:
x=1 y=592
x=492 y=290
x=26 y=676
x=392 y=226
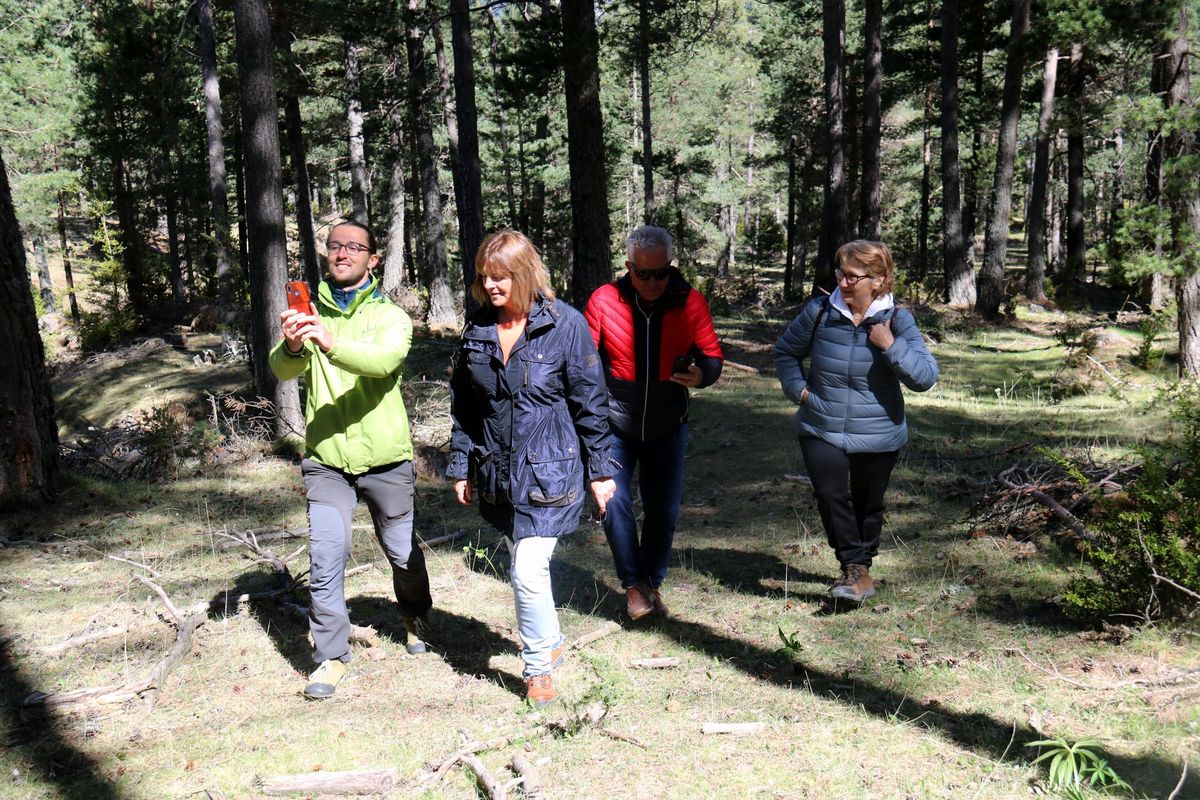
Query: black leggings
x=849 y=488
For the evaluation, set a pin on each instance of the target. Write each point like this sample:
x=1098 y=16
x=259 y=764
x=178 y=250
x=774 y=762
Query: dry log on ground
x=531 y=781
x=487 y=781
x=742 y=367
x=654 y=663
x=733 y=728
x=375 y=781
x=607 y=629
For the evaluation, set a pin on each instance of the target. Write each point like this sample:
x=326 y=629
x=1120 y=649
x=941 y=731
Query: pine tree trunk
x=971 y=165
x=725 y=217
x=1076 y=243
x=1153 y=291
x=647 y=138
x=45 y=283
x=297 y=149
x=1035 y=273
x=870 y=194
x=239 y=164
x=991 y=277
x=470 y=209
x=591 y=259
x=1183 y=198
x=28 y=435
x=173 y=259
x=833 y=222
x=264 y=215
x=442 y=309
x=1054 y=203
x=66 y=258
x=790 y=227
x=360 y=188
x=537 y=194
x=393 y=256
x=131 y=246
x=449 y=113
x=960 y=286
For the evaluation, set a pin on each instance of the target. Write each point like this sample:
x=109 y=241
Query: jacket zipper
x=649 y=374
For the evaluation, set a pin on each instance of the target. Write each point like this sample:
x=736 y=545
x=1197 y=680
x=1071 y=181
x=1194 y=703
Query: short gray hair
x=649 y=237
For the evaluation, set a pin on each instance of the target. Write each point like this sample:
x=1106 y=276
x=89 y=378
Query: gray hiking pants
x=332 y=496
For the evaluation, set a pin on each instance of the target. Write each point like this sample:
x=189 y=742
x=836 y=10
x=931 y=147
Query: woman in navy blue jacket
x=530 y=417
x=851 y=416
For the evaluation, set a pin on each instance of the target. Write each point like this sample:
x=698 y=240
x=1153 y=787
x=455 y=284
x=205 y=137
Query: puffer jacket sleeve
x=908 y=356
x=587 y=396
x=791 y=349
x=465 y=416
x=710 y=359
x=381 y=356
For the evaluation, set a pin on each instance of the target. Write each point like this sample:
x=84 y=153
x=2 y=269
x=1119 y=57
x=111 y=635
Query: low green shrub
x=1146 y=555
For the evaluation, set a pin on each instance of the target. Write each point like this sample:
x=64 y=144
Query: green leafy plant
x=792 y=645
x=1146 y=555
x=475 y=555
x=1074 y=765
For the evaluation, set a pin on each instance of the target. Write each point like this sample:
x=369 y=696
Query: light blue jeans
x=537 y=619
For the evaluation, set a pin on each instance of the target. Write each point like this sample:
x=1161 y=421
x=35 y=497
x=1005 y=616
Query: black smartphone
x=683 y=362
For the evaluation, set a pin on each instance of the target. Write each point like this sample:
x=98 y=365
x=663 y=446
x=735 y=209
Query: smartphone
x=297 y=295
x=683 y=362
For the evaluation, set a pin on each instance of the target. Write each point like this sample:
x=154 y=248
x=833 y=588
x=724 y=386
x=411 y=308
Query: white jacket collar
x=879 y=304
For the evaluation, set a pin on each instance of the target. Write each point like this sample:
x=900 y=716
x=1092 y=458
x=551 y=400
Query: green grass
x=930 y=690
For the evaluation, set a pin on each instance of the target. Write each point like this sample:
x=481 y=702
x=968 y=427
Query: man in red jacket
x=656 y=340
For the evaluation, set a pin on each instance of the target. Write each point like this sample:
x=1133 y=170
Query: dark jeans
x=660 y=483
x=849 y=489
x=332 y=495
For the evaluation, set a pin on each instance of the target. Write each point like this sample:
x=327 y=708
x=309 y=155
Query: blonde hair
x=874 y=257
x=510 y=254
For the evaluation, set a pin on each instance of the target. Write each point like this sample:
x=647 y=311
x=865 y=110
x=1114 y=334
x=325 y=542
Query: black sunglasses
x=651 y=274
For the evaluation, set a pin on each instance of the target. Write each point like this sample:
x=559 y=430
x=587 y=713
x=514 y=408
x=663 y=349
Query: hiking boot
x=417 y=630
x=539 y=690
x=659 y=605
x=638 y=602
x=855 y=584
x=323 y=681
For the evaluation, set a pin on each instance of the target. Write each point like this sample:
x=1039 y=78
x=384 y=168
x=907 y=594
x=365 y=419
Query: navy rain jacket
x=854 y=401
x=523 y=432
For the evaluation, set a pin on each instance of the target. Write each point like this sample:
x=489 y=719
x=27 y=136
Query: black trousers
x=849 y=488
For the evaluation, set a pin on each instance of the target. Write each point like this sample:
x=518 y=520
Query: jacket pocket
x=483 y=373
x=556 y=472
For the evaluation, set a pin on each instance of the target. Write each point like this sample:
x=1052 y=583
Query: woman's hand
x=804 y=393
x=603 y=490
x=880 y=334
x=462 y=492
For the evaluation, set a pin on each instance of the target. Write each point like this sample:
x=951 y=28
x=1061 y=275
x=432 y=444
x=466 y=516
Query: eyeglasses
x=353 y=248
x=850 y=280
x=651 y=274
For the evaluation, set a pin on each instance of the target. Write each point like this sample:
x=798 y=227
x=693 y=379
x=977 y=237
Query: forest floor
x=931 y=690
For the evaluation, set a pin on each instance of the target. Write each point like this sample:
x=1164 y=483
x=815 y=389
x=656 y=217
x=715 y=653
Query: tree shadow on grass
x=745 y=571
x=36 y=734
x=976 y=731
x=287 y=630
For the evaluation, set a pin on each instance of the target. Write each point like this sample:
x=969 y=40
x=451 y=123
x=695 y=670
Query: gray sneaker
x=417 y=630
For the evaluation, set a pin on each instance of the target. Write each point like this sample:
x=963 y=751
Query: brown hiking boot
x=539 y=690
x=855 y=584
x=638 y=603
x=659 y=605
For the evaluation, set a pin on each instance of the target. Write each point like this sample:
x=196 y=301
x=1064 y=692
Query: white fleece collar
x=879 y=304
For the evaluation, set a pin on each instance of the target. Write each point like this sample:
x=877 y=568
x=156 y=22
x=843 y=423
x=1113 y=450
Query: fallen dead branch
x=742 y=367
x=1179 y=786
x=1036 y=492
x=153 y=572
x=591 y=714
x=374 y=781
x=148 y=688
x=486 y=780
x=84 y=638
x=733 y=728
x=607 y=629
x=623 y=737
x=654 y=663
x=531 y=781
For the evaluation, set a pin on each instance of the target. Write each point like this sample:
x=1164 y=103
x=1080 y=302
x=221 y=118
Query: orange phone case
x=297 y=295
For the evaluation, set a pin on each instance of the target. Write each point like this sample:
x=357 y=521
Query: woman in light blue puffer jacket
x=862 y=347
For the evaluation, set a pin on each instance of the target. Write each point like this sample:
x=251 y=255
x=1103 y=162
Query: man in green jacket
x=350 y=350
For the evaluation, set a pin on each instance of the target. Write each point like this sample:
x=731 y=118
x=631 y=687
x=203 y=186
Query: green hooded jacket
x=354 y=410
